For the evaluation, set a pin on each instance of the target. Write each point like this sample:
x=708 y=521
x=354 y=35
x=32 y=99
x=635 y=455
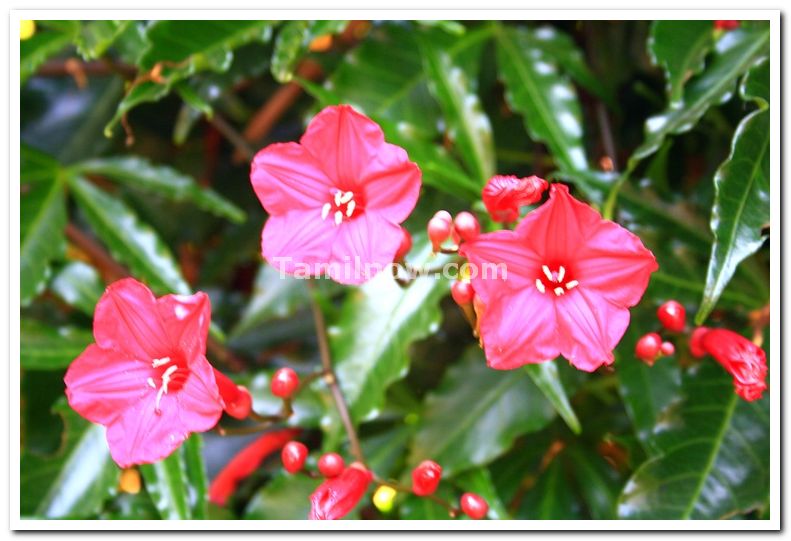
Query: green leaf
x=166 y=482
x=551 y=498
x=544 y=96
x=733 y=56
x=49 y=348
x=468 y=126
x=42 y=223
x=714 y=459
x=417 y=508
x=76 y=480
x=145 y=92
x=162 y=180
x=95 y=37
x=545 y=376
x=741 y=206
x=45 y=43
x=129 y=240
x=79 y=285
x=476 y=413
x=194 y=100
x=598 y=483
x=755 y=85
x=286 y=497
x=196 y=476
x=680 y=47
x=292 y=43
x=273 y=296
x=378 y=322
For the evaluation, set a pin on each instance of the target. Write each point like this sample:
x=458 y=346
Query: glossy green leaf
x=544 y=96
x=546 y=377
x=167 y=483
x=714 y=459
x=79 y=285
x=194 y=100
x=45 y=43
x=741 y=206
x=286 y=497
x=50 y=348
x=733 y=56
x=162 y=180
x=552 y=497
x=292 y=43
x=370 y=341
x=468 y=127
x=680 y=47
x=476 y=413
x=755 y=85
x=129 y=240
x=196 y=476
x=95 y=37
x=75 y=481
x=597 y=481
x=417 y=508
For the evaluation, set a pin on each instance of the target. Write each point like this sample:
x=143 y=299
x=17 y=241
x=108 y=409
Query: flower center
x=171 y=376
x=342 y=207
x=555 y=281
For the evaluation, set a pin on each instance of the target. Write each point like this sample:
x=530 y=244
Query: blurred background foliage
x=136 y=141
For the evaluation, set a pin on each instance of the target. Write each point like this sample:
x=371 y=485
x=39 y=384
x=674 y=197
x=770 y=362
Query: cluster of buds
x=442 y=226
x=673 y=317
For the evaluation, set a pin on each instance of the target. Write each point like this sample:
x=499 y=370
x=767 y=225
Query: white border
x=584 y=14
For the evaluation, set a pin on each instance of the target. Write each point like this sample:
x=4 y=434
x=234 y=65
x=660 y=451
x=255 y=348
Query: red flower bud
x=466 y=226
x=439 y=230
x=743 y=360
x=474 y=506
x=667 y=348
x=425 y=478
x=726 y=25
x=336 y=497
x=503 y=195
x=237 y=401
x=405 y=246
x=284 y=383
x=331 y=465
x=293 y=456
x=696 y=342
x=648 y=347
x=246 y=461
x=672 y=316
x=462 y=292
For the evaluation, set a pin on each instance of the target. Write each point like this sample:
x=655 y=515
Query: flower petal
x=101 y=383
x=285 y=176
x=127 y=319
x=391 y=183
x=186 y=319
x=199 y=402
x=364 y=247
x=518 y=329
x=297 y=241
x=345 y=143
x=589 y=328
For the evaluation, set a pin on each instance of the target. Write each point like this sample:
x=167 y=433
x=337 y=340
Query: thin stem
x=235 y=138
x=331 y=380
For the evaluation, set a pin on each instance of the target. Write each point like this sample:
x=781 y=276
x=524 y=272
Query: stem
x=331 y=380
x=235 y=138
x=452 y=511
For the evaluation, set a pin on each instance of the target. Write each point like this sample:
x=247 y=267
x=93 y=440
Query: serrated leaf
x=467 y=124
x=680 y=47
x=733 y=56
x=79 y=285
x=162 y=180
x=132 y=242
x=95 y=37
x=50 y=348
x=546 y=377
x=714 y=459
x=475 y=415
x=76 y=480
x=286 y=497
x=166 y=482
x=544 y=96
x=378 y=322
x=741 y=206
x=44 y=44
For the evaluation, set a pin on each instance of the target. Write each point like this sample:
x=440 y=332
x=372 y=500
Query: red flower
x=336 y=497
x=336 y=199
x=146 y=378
x=743 y=360
x=726 y=25
x=246 y=461
x=565 y=283
x=503 y=195
x=237 y=401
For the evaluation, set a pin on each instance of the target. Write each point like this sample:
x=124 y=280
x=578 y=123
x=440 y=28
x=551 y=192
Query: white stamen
x=338 y=196
x=338 y=217
x=540 y=286
x=151 y=383
x=547 y=273
x=156 y=363
x=350 y=208
x=561 y=273
x=325 y=211
x=164 y=389
x=160 y=392
x=572 y=284
x=346 y=197
x=559 y=291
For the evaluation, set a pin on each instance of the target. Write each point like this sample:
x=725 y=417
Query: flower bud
x=237 y=401
x=474 y=506
x=462 y=292
x=466 y=226
x=284 y=383
x=667 y=348
x=503 y=195
x=743 y=360
x=673 y=316
x=331 y=465
x=293 y=456
x=648 y=347
x=696 y=342
x=726 y=25
x=426 y=477
x=383 y=498
x=438 y=231
x=405 y=246
x=336 y=497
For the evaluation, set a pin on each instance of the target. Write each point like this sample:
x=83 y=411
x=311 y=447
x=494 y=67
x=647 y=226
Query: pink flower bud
x=467 y=226
x=438 y=231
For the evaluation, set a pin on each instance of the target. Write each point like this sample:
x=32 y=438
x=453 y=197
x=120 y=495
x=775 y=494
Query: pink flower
x=146 y=378
x=336 y=497
x=565 y=283
x=743 y=360
x=336 y=198
x=503 y=195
